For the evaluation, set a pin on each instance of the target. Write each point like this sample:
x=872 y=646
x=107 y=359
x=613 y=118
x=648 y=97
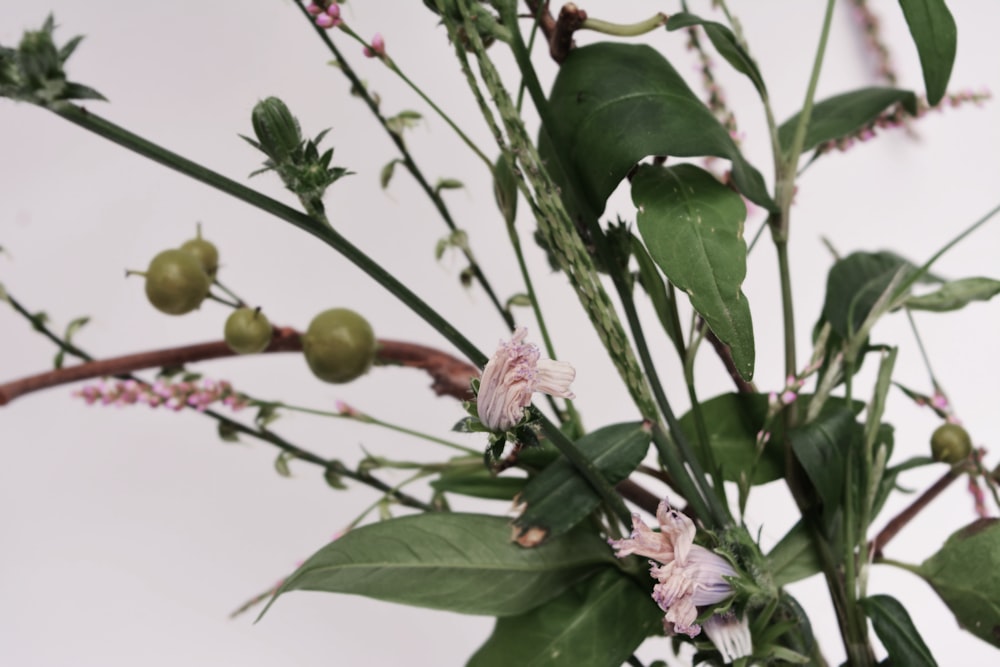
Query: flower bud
x=276 y=128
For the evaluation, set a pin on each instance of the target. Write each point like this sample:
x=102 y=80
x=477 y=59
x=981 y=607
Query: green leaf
x=448 y=184
x=733 y=421
x=966 y=574
x=385 y=176
x=933 y=30
x=478 y=482
x=725 y=43
x=227 y=432
x=794 y=557
x=281 y=464
x=558 y=498
x=822 y=448
x=576 y=628
x=896 y=631
x=617 y=104
x=956 y=294
x=458 y=562
x=693 y=227
x=855 y=283
x=842 y=115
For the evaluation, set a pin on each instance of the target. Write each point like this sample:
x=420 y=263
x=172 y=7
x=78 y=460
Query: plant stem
x=451 y=376
x=331 y=237
x=368 y=419
x=912 y=510
x=407 y=160
x=625 y=30
x=260 y=434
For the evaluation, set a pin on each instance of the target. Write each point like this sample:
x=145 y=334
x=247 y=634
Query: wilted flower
x=689 y=576
x=731 y=636
x=514 y=373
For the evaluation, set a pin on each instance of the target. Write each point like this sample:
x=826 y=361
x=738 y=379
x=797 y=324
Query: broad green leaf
x=598 y=622
x=855 y=283
x=733 y=421
x=725 y=43
x=617 y=104
x=966 y=574
x=557 y=499
x=956 y=294
x=794 y=558
x=842 y=115
x=896 y=631
x=479 y=483
x=822 y=448
x=464 y=563
x=933 y=30
x=693 y=227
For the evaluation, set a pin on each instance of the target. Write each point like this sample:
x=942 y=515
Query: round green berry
x=205 y=252
x=248 y=331
x=339 y=345
x=176 y=283
x=950 y=443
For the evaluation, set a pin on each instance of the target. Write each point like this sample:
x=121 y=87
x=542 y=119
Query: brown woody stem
x=451 y=376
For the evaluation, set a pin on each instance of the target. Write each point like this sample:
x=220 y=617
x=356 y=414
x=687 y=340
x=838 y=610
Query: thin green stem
x=368 y=419
x=358 y=87
x=242 y=303
x=623 y=29
x=225 y=302
x=394 y=68
x=331 y=237
x=799 y=138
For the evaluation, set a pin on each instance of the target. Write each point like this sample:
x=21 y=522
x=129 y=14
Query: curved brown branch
x=558 y=31
x=450 y=376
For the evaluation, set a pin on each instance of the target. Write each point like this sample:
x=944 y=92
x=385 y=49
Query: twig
x=451 y=376
x=904 y=517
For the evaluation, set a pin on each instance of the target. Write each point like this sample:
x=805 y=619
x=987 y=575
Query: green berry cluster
x=339 y=345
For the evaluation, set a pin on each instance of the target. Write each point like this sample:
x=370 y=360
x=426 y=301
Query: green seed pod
x=248 y=331
x=339 y=345
x=176 y=283
x=205 y=252
x=950 y=443
x=276 y=128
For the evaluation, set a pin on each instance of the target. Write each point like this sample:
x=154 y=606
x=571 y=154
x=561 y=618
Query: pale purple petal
x=730 y=635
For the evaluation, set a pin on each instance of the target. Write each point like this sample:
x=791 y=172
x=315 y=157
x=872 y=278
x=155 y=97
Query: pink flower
x=689 y=575
x=515 y=372
x=377 y=47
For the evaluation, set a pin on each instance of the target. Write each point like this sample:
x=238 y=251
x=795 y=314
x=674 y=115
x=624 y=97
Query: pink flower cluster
x=328 y=17
x=173 y=395
x=897 y=116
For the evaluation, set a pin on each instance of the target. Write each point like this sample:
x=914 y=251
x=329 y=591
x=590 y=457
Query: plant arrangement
x=625 y=192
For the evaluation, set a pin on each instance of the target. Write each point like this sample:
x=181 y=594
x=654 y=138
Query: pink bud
x=333 y=11
x=326 y=21
x=377 y=48
x=314 y=9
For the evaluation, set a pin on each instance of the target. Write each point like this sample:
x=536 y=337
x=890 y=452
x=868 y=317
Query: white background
x=128 y=534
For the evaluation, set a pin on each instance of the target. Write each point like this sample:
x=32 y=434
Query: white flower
x=730 y=635
x=510 y=378
x=689 y=576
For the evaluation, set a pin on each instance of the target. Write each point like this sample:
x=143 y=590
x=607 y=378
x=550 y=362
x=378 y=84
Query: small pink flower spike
x=377 y=47
x=314 y=9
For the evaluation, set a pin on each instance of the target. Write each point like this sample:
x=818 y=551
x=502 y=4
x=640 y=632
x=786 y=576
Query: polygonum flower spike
x=515 y=372
x=689 y=576
x=377 y=48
